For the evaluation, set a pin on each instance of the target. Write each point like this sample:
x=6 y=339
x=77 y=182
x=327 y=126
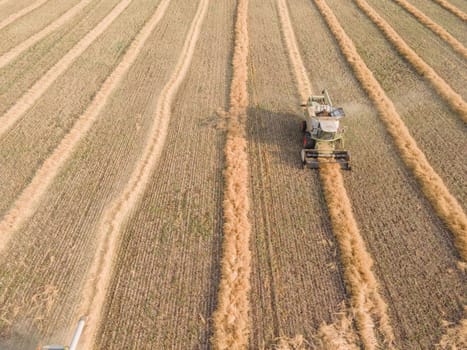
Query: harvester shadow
x=21 y=335
x=277 y=134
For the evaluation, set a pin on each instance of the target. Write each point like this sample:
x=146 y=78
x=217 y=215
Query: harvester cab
x=323 y=140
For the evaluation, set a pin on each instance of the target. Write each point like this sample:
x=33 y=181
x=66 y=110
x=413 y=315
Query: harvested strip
x=453 y=9
x=445 y=205
x=14 y=52
x=27 y=202
x=231 y=320
x=115 y=216
x=10 y=19
x=38 y=89
x=434 y=27
x=365 y=297
x=443 y=88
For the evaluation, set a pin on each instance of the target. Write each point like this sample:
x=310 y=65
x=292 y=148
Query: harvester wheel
x=308 y=142
x=303 y=126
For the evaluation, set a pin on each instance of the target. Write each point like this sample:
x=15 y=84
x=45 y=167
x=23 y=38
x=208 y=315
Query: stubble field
x=150 y=176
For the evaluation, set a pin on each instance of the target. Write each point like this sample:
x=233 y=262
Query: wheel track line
x=116 y=214
x=433 y=26
x=231 y=320
x=7 y=57
x=442 y=88
x=451 y=8
x=263 y=168
x=27 y=202
x=265 y=177
x=40 y=87
x=444 y=204
x=13 y=17
x=356 y=261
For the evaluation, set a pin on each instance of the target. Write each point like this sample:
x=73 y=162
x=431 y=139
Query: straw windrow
x=231 y=322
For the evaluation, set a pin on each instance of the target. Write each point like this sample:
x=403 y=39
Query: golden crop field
x=151 y=179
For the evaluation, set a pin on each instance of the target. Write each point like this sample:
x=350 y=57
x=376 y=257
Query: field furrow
x=27 y=202
x=34 y=22
x=69 y=241
x=116 y=214
x=434 y=51
x=432 y=125
x=20 y=74
x=10 y=55
x=294 y=262
x=432 y=185
x=17 y=15
x=460 y=4
x=453 y=9
x=444 y=90
x=383 y=221
x=32 y=140
x=434 y=27
x=453 y=24
x=40 y=87
x=9 y=7
x=365 y=299
x=179 y=218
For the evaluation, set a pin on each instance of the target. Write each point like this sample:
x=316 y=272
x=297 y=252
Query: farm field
x=151 y=180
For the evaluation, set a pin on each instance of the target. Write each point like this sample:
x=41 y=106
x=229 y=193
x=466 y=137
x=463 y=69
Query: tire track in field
x=433 y=26
x=231 y=319
x=7 y=57
x=13 y=17
x=40 y=87
x=445 y=204
x=117 y=213
x=356 y=261
x=265 y=184
x=453 y=9
x=29 y=199
x=442 y=88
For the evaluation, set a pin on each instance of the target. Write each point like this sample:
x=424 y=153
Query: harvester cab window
x=323 y=109
x=337 y=112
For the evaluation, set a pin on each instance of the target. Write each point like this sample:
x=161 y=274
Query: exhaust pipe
x=74 y=341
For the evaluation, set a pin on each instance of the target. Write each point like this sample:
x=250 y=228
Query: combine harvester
x=323 y=140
